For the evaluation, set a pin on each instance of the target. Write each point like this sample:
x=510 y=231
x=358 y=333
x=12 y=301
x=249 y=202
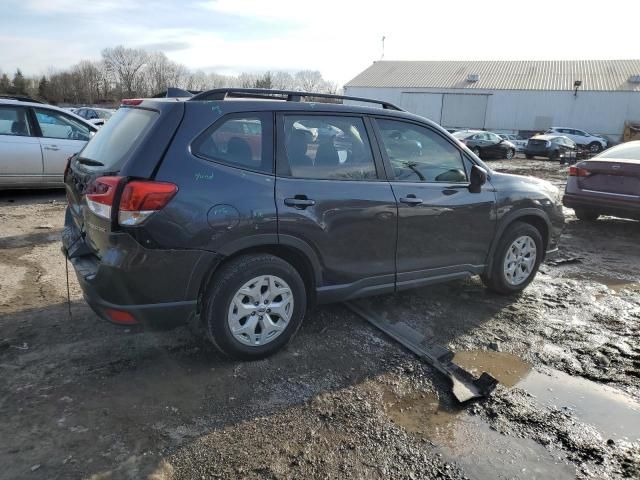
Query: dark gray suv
x=244 y=207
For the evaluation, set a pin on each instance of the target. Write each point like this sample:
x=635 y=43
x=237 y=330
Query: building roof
x=601 y=75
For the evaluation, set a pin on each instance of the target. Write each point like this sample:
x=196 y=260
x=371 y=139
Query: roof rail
x=285 y=95
x=19 y=98
x=173 y=92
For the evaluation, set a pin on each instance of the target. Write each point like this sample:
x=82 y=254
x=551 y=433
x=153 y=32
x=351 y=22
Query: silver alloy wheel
x=476 y=151
x=520 y=260
x=260 y=310
x=509 y=154
x=595 y=148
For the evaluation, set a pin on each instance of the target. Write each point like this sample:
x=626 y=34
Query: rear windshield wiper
x=91 y=163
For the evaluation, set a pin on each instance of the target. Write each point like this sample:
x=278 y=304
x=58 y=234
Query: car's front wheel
x=476 y=151
x=509 y=154
x=516 y=259
x=254 y=306
x=595 y=147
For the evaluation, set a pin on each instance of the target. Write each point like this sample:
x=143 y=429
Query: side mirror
x=478 y=177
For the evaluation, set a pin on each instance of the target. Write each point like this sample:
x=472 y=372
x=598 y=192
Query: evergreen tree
x=5 y=84
x=19 y=83
x=43 y=88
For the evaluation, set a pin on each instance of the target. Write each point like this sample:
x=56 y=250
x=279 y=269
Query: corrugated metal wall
x=512 y=110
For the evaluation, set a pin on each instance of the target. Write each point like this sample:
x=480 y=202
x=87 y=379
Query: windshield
x=629 y=151
x=461 y=135
x=105 y=114
x=118 y=137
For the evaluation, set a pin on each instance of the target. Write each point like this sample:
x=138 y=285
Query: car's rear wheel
x=254 y=306
x=510 y=154
x=476 y=151
x=516 y=259
x=586 y=214
x=595 y=147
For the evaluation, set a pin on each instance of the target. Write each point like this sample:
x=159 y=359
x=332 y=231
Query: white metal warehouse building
x=510 y=96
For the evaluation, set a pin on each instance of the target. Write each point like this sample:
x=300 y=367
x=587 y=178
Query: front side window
x=237 y=141
x=418 y=154
x=328 y=147
x=13 y=121
x=55 y=124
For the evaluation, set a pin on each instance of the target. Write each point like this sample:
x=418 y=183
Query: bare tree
x=282 y=81
x=126 y=64
x=309 y=80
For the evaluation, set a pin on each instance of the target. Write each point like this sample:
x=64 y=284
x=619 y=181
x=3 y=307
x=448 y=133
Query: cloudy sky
x=338 y=37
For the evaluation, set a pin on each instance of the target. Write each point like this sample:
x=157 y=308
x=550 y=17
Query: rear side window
x=238 y=140
x=113 y=142
x=328 y=148
x=13 y=121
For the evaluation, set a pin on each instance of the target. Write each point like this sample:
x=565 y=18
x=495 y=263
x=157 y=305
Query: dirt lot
x=83 y=399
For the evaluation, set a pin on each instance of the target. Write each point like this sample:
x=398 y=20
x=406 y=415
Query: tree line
x=131 y=72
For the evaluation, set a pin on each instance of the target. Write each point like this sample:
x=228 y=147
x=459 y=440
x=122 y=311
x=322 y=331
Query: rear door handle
x=55 y=148
x=299 y=202
x=411 y=200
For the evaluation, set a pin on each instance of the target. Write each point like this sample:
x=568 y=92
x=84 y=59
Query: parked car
x=607 y=184
x=515 y=139
x=167 y=221
x=594 y=143
x=35 y=142
x=552 y=147
x=486 y=144
x=97 y=116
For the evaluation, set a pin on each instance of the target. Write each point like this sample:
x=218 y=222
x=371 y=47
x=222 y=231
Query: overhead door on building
x=428 y=105
x=461 y=110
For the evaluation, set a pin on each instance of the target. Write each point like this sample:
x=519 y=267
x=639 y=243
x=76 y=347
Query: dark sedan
x=608 y=184
x=486 y=144
x=553 y=147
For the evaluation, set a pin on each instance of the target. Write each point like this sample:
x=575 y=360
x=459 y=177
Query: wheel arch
x=533 y=216
x=301 y=257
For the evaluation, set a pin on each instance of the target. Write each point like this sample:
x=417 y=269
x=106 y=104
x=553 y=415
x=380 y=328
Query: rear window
x=115 y=140
x=626 y=151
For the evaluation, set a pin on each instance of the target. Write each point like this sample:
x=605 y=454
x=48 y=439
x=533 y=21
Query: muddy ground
x=83 y=399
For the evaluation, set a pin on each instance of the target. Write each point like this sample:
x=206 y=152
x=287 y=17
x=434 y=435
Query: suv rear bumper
x=159 y=288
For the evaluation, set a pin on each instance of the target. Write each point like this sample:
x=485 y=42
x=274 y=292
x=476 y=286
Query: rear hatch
x=620 y=177
x=536 y=145
x=129 y=147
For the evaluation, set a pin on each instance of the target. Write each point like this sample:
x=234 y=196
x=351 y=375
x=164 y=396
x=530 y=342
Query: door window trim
x=387 y=162
x=280 y=154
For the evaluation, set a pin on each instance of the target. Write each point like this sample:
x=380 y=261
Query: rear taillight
x=578 y=172
x=100 y=195
x=131 y=101
x=140 y=199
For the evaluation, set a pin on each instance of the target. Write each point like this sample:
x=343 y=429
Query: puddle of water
x=611 y=412
x=483 y=453
x=612 y=283
x=507 y=368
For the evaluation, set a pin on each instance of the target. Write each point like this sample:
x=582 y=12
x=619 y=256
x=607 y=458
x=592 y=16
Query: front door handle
x=411 y=200
x=55 y=148
x=300 y=202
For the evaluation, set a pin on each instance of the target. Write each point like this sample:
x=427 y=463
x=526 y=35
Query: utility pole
x=383 y=39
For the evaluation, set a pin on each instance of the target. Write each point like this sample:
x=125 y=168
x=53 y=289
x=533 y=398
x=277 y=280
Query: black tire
x=595 y=147
x=586 y=215
x=529 y=157
x=476 y=151
x=226 y=284
x=509 y=154
x=497 y=281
